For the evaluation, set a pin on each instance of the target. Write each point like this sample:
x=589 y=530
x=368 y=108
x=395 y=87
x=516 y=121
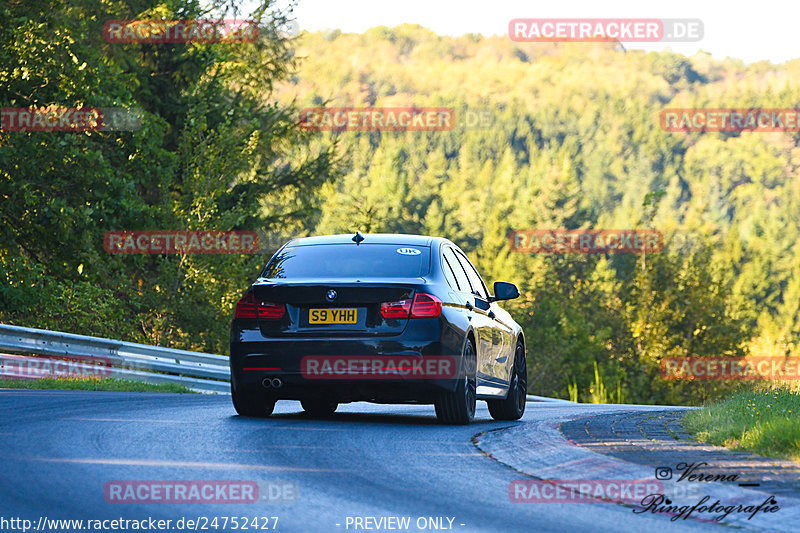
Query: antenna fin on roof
x=358 y=238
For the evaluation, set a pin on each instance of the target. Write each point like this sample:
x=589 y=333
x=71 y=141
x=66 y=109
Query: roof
x=369 y=238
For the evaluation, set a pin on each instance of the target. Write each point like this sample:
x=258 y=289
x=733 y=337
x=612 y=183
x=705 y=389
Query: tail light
x=250 y=307
x=423 y=306
x=426 y=306
x=398 y=309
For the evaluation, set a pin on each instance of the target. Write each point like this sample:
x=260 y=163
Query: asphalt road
x=60 y=450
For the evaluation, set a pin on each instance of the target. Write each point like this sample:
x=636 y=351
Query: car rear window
x=349 y=260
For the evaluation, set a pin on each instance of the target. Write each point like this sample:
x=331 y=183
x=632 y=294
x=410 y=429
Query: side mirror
x=504 y=291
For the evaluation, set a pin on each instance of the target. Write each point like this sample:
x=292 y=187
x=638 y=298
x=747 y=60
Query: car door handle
x=469 y=306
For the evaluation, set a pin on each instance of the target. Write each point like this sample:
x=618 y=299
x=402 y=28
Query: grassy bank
x=764 y=421
x=111 y=384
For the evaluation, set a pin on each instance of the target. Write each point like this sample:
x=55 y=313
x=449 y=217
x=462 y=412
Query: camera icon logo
x=663 y=473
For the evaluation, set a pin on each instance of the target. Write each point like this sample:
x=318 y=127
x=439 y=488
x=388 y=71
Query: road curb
x=537 y=448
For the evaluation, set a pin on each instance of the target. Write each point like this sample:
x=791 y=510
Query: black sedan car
x=381 y=318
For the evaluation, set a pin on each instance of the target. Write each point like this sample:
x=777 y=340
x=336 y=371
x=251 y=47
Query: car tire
x=513 y=407
x=251 y=404
x=319 y=408
x=458 y=407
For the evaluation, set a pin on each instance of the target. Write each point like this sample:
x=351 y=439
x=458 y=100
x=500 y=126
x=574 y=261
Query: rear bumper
x=254 y=358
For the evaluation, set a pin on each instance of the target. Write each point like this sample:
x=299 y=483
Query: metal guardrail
x=198 y=371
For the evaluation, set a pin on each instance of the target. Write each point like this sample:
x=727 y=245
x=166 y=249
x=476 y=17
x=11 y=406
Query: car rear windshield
x=349 y=261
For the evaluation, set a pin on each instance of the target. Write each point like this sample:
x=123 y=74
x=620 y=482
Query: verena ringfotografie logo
x=730 y=368
x=695 y=474
x=537 y=241
x=200 y=491
x=57 y=118
x=660 y=504
x=180 y=31
x=582 y=490
x=377 y=118
x=181 y=242
x=379 y=367
x=730 y=120
x=599 y=30
x=23 y=367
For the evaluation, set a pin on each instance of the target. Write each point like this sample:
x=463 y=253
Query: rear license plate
x=332 y=316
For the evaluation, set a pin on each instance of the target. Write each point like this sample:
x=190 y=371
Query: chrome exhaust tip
x=266 y=383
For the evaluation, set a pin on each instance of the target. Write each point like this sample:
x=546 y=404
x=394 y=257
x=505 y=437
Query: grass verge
x=112 y=384
x=764 y=421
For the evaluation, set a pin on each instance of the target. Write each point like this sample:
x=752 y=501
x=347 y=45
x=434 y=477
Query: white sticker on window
x=408 y=251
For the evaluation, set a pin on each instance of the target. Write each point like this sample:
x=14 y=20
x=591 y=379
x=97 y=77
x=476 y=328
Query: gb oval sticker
x=408 y=251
